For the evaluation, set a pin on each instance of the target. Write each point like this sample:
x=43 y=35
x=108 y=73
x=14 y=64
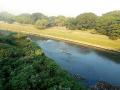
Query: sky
x=59 y=7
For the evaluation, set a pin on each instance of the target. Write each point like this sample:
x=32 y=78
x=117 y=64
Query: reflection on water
x=112 y=56
x=91 y=64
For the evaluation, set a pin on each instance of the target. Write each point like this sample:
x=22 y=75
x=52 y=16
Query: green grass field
x=77 y=36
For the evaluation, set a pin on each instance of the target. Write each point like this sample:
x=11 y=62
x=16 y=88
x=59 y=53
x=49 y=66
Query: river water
x=91 y=64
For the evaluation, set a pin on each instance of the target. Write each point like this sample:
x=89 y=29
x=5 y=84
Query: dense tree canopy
x=24 y=18
x=23 y=66
x=42 y=23
x=51 y=21
x=37 y=16
x=71 y=23
x=7 y=17
x=60 y=20
x=86 y=21
x=109 y=24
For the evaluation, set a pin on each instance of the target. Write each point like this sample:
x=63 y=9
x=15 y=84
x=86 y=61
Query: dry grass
x=78 y=36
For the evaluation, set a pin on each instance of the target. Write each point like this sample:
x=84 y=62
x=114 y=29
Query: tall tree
x=37 y=16
x=7 y=17
x=109 y=24
x=60 y=21
x=24 y=18
x=71 y=23
x=51 y=21
x=86 y=21
x=42 y=23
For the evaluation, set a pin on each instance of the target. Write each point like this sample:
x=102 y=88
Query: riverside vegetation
x=23 y=66
x=107 y=24
x=87 y=28
x=75 y=36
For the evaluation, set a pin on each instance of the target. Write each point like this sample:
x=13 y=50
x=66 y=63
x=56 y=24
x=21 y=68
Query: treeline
x=40 y=20
x=23 y=66
x=107 y=24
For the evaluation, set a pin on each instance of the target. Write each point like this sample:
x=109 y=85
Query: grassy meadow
x=75 y=36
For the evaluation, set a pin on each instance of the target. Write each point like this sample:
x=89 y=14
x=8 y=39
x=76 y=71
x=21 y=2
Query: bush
x=109 y=24
x=23 y=66
x=42 y=24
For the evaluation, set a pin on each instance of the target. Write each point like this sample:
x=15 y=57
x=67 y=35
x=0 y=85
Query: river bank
x=86 y=39
x=107 y=49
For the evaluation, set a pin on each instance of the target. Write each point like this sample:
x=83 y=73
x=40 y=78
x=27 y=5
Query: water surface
x=91 y=64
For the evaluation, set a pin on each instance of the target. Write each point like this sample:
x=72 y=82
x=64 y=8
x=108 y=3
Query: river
x=91 y=64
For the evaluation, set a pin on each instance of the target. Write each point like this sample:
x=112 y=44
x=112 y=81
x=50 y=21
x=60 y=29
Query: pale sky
x=59 y=7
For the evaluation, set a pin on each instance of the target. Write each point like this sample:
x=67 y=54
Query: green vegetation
x=42 y=23
x=71 y=24
x=75 y=36
x=24 y=18
x=37 y=16
x=82 y=22
x=86 y=21
x=7 y=17
x=107 y=24
x=60 y=21
x=23 y=66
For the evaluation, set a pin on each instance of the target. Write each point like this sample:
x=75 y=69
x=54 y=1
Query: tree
x=109 y=24
x=42 y=23
x=37 y=16
x=24 y=18
x=71 y=23
x=60 y=21
x=7 y=17
x=51 y=21
x=86 y=21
